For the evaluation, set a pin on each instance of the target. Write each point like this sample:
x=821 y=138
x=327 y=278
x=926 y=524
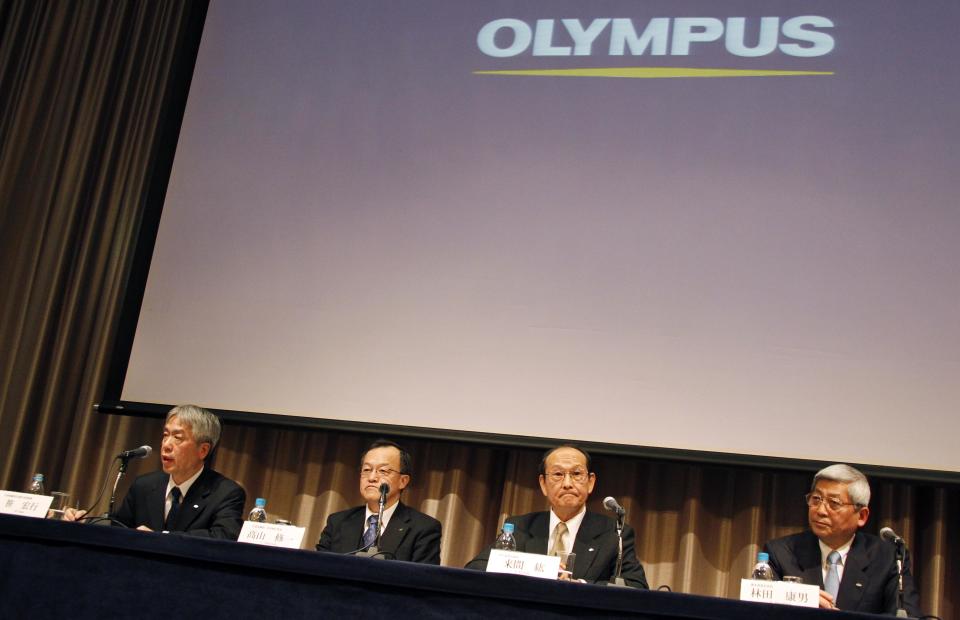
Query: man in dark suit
x=855 y=571
x=405 y=534
x=186 y=497
x=567 y=482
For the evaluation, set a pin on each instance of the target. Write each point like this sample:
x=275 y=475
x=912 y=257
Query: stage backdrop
x=84 y=88
x=718 y=227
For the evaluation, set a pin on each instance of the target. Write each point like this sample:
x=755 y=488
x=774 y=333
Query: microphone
x=611 y=504
x=889 y=535
x=139 y=453
x=384 y=491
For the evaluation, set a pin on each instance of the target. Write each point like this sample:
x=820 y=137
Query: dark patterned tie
x=174 y=508
x=370 y=536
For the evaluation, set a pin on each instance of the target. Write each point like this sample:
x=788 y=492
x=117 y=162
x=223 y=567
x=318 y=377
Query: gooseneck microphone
x=137 y=453
x=612 y=505
x=384 y=491
x=889 y=535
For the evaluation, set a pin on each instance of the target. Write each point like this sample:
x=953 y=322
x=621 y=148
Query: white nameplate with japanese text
x=519 y=563
x=25 y=504
x=783 y=592
x=272 y=534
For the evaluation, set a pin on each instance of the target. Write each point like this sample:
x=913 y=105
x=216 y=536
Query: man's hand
x=143 y=528
x=72 y=514
x=826 y=601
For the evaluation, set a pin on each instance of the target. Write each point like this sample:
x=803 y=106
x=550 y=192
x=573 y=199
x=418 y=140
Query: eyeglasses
x=382 y=472
x=557 y=477
x=833 y=504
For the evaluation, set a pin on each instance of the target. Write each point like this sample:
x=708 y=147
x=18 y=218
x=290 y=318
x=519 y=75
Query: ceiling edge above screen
x=155 y=410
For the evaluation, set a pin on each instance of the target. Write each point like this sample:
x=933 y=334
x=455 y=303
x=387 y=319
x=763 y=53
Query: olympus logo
x=801 y=36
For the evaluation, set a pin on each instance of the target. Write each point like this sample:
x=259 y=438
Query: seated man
x=406 y=534
x=187 y=496
x=566 y=481
x=855 y=571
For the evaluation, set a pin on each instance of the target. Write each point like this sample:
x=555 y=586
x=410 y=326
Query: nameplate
x=783 y=592
x=519 y=563
x=25 y=504
x=272 y=534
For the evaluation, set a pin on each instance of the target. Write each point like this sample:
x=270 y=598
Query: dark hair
x=543 y=460
x=406 y=463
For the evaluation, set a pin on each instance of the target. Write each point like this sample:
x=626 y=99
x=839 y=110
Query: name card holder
x=782 y=592
x=528 y=564
x=25 y=504
x=272 y=534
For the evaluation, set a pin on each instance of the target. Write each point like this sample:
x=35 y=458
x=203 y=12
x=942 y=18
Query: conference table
x=69 y=570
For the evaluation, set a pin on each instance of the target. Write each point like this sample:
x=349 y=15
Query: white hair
x=857 y=486
x=204 y=425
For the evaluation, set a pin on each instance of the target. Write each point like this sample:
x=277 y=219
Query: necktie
x=559 y=539
x=174 y=508
x=832 y=583
x=370 y=535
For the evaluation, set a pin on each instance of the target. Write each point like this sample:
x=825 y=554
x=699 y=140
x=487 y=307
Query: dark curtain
x=85 y=88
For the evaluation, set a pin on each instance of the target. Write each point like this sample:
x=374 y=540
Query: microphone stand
x=901 y=612
x=373 y=551
x=617 y=580
x=124 y=462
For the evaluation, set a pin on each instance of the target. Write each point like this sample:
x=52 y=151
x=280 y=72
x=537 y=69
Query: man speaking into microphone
x=397 y=531
x=186 y=496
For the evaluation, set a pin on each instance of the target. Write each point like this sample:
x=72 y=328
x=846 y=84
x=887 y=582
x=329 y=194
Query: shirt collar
x=573 y=525
x=843 y=550
x=387 y=513
x=184 y=486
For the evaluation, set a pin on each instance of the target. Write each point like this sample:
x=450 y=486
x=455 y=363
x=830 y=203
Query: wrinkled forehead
x=566 y=458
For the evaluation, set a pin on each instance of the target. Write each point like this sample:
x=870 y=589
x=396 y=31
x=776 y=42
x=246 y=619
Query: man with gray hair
x=186 y=496
x=856 y=571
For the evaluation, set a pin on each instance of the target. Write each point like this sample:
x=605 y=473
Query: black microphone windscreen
x=384 y=488
x=888 y=534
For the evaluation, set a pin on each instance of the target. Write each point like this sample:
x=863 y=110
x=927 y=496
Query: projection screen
x=726 y=227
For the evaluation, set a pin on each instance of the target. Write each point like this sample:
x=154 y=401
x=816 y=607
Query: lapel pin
x=590 y=550
x=195 y=506
x=859 y=585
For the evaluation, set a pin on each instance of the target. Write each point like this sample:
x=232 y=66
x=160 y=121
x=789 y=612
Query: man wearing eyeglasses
x=567 y=481
x=406 y=534
x=856 y=571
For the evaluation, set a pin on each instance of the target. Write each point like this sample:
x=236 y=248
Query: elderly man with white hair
x=856 y=571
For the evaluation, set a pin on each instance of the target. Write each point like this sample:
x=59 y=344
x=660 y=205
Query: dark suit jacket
x=410 y=536
x=869 y=581
x=595 y=546
x=212 y=508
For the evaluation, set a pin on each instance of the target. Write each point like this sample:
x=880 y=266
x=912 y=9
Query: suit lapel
x=194 y=502
x=397 y=529
x=157 y=502
x=855 y=577
x=810 y=560
x=351 y=531
x=586 y=544
x=539 y=534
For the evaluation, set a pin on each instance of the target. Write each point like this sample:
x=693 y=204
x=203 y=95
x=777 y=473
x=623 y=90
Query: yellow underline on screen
x=651 y=72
